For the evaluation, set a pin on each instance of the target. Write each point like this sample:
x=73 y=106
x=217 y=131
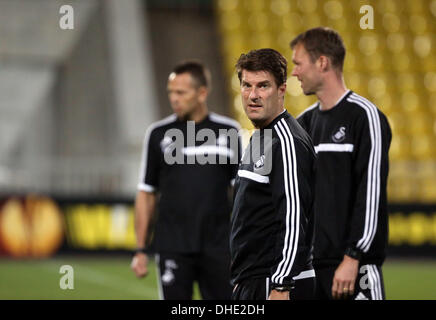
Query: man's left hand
x=345 y=278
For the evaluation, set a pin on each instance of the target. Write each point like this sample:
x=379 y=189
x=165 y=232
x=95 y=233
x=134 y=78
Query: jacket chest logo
x=339 y=135
x=166 y=143
x=260 y=163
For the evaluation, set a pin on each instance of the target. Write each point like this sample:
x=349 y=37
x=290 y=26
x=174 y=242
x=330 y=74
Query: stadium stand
x=393 y=65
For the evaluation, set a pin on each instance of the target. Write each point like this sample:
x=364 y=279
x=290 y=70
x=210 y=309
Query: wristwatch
x=283 y=287
x=353 y=253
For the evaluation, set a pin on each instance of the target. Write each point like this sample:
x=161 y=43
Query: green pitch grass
x=104 y=277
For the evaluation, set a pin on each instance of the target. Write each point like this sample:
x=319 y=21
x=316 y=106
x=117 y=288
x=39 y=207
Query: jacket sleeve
x=284 y=181
x=150 y=163
x=370 y=157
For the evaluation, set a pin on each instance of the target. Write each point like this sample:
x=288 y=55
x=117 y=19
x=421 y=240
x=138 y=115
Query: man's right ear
x=282 y=90
x=203 y=93
x=323 y=63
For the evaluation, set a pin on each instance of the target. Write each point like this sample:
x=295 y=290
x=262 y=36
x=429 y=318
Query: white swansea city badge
x=339 y=135
x=260 y=163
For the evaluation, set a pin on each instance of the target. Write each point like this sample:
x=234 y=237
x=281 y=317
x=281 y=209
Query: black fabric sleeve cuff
x=354 y=253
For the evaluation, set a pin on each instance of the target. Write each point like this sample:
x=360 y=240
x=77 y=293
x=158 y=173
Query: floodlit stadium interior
x=392 y=65
x=75 y=103
x=81 y=80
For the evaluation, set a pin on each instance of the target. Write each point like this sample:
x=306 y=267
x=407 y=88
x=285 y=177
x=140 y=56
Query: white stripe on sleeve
x=373 y=179
x=292 y=202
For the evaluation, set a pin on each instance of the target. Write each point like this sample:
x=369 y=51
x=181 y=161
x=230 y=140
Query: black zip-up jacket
x=272 y=219
x=194 y=207
x=352 y=143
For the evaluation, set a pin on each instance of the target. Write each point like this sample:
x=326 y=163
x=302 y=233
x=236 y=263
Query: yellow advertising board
x=39 y=226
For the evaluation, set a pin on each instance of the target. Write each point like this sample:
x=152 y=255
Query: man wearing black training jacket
x=352 y=138
x=189 y=193
x=271 y=225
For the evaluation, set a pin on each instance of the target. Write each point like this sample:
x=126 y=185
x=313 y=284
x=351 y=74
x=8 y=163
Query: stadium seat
x=393 y=65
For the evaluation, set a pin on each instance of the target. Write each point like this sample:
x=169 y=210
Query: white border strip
x=146 y=187
x=305 y=274
x=267 y=288
x=334 y=147
x=253 y=176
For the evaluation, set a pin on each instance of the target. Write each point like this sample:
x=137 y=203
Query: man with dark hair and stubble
x=352 y=138
x=192 y=228
x=271 y=225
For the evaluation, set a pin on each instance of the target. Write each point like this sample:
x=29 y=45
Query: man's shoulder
x=291 y=131
x=224 y=121
x=161 y=124
x=308 y=111
x=362 y=106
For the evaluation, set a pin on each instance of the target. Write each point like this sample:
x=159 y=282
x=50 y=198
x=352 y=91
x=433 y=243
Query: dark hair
x=199 y=73
x=322 y=41
x=264 y=60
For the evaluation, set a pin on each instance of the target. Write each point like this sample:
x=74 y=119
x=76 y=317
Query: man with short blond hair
x=352 y=138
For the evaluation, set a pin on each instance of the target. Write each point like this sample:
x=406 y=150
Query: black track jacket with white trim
x=352 y=143
x=194 y=206
x=272 y=218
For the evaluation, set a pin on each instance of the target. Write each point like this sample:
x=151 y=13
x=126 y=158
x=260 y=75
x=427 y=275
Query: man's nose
x=253 y=94
x=172 y=97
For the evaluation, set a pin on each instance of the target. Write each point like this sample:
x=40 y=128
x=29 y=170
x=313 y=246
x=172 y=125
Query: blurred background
x=75 y=104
